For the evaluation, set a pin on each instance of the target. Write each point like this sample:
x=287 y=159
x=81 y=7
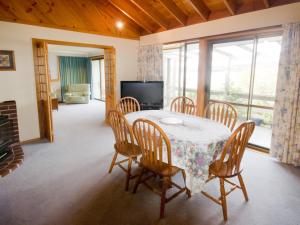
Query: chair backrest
x=122 y=130
x=183 y=104
x=221 y=112
x=234 y=148
x=153 y=141
x=128 y=105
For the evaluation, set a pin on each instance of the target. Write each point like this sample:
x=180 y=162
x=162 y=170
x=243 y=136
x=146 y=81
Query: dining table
x=195 y=142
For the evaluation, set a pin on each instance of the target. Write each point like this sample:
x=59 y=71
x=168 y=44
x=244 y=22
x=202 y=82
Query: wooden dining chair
x=124 y=144
x=153 y=142
x=229 y=164
x=128 y=105
x=221 y=112
x=183 y=104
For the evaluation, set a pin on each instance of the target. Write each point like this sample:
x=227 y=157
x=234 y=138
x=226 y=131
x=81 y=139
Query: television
x=150 y=94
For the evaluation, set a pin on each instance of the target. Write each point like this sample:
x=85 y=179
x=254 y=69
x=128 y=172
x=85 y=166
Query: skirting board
x=31 y=141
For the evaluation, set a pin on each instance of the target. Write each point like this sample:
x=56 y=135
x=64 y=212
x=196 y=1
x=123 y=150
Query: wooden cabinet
x=54 y=103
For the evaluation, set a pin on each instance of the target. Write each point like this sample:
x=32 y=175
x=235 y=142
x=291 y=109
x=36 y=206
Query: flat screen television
x=150 y=94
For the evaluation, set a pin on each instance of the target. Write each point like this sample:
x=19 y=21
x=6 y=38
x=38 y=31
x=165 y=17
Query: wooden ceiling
x=140 y=17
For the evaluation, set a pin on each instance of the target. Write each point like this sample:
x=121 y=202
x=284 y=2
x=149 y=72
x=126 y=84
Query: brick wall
x=8 y=108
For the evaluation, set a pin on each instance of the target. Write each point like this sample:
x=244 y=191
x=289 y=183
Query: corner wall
x=19 y=85
x=247 y=21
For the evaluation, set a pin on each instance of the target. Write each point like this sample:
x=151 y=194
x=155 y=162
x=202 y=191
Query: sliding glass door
x=180 y=71
x=102 y=80
x=191 y=70
x=98 y=79
x=244 y=73
x=172 y=73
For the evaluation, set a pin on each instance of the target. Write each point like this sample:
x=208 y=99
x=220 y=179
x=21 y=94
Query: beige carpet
x=67 y=183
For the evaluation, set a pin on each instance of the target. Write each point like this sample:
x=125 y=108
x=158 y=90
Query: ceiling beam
x=152 y=13
x=114 y=15
x=175 y=11
x=201 y=9
x=266 y=3
x=231 y=6
x=130 y=10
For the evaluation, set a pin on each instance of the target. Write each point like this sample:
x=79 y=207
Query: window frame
x=205 y=57
x=183 y=63
x=255 y=37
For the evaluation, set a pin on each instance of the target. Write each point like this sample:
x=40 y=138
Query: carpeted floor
x=67 y=183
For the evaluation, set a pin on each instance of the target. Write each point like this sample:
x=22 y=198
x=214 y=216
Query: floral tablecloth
x=194 y=144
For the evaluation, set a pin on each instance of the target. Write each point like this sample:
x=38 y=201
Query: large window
x=180 y=62
x=98 y=79
x=244 y=73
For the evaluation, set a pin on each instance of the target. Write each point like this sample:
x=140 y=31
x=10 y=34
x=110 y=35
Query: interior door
x=42 y=79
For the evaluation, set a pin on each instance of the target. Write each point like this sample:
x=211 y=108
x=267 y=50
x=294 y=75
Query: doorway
x=43 y=89
x=98 y=78
x=244 y=74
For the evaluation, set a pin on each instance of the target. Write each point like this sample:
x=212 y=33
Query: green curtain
x=74 y=70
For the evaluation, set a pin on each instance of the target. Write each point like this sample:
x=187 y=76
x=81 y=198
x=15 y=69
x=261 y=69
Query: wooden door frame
x=76 y=44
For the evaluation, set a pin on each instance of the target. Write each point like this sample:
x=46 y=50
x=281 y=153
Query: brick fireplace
x=11 y=153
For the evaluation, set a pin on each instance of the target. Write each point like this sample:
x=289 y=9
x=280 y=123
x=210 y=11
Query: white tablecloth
x=194 y=144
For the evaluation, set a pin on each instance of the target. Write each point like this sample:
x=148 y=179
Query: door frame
x=110 y=98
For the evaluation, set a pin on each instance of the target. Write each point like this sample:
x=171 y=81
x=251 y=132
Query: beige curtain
x=286 y=123
x=150 y=63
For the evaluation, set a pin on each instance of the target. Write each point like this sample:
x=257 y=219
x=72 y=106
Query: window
x=98 y=79
x=180 y=71
x=244 y=73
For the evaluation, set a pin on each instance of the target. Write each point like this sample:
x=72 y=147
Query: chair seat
x=162 y=169
x=226 y=170
x=128 y=149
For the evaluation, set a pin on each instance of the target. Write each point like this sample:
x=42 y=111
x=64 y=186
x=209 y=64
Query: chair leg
x=128 y=173
x=243 y=187
x=223 y=198
x=138 y=181
x=188 y=192
x=165 y=185
x=113 y=162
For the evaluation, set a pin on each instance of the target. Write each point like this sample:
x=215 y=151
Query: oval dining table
x=195 y=142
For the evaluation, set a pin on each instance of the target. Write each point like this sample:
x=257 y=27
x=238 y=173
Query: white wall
x=20 y=84
x=258 y=19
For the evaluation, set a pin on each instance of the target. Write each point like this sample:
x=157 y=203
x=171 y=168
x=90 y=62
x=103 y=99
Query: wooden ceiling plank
x=115 y=16
x=175 y=11
x=231 y=6
x=101 y=18
x=71 y=14
x=200 y=8
x=28 y=11
x=130 y=10
x=153 y=14
x=5 y=10
x=266 y=3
